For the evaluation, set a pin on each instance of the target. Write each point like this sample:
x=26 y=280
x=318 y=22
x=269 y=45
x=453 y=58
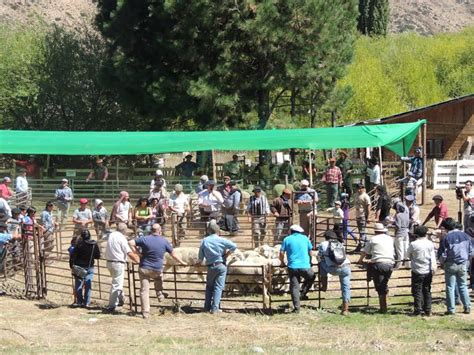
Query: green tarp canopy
x=396 y=137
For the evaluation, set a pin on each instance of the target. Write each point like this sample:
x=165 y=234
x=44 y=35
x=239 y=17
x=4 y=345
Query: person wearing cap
x=121 y=213
x=306 y=199
x=230 y=207
x=100 y=218
x=153 y=248
x=416 y=164
x=210 y=201
x=46 y=220
x=297 y=248
x=187 y=167
x=64 y=198
x=328 y=266
x=380 y=265
x=454 y=254
x=99 y=172
x=286 y=172
x=233 y=168
x=116 y=252
x=422 y=254
x=158 y=180
x=414 y=212
x=282 y=210
x=468 y=200
x=214 y=250
x=179 y=207
x=200 y=186
x=84 y=254
x=362 y=204
x=258 y=209
x=346 y=167
x=21 y=188
x=401 y=223
x=5 y=188
x=81 y=217
x=332 y=177
x=337 y=218
x=439 y=212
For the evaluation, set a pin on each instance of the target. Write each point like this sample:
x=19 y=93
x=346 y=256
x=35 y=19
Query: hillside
x=423 y=16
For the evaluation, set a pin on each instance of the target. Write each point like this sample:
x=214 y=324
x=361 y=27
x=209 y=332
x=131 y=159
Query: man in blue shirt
x=454 y=253
x=153 y=248
x=215 y=249
x=298 y=252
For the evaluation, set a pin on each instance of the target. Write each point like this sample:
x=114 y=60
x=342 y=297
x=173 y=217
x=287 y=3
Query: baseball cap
x=159 y=172
x=338 y=203
x=178 y=187
x=304 y=182
x=296 y=228
x=83 y=200
x=7 y=179
x=438 y=197
x=287 y=191
x=64 y=180
x=257 y=189
x=204 y=178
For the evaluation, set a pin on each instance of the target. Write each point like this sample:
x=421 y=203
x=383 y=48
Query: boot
x=323 y=283
x=383 y=303
x=345 y=308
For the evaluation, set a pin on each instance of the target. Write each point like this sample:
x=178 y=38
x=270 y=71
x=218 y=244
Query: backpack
x=336 y=252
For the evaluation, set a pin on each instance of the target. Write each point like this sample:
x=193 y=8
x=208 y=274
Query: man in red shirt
x=4 y=188
x=439 y=211
x=332 y=177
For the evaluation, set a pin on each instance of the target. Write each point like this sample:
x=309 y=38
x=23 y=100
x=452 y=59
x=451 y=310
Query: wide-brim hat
x=296 y=228
x=379 y=227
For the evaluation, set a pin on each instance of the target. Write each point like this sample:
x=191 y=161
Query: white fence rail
x=447 y=174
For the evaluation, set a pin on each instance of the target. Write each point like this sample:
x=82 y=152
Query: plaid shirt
x=332 y=175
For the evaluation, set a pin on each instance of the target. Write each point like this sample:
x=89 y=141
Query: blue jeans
x=214 y=286
x=344 y=274
x=84 y=288
x=455 y=274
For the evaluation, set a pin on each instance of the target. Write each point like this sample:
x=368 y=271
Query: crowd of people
x=220 y=207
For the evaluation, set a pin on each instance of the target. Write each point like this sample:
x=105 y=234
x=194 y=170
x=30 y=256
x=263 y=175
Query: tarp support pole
x=381 y=166
x=310 y=169
x=214 y=171
x=423 y=184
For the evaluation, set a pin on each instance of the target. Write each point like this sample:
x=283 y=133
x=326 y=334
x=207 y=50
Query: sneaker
x=416 y=313
x=75 y=305
x=161 y=297
x=449 y=313
x=467 y=310
x=145 y=315
x=109 y=310
x=427 y=314
x=216 y=311
x=296 y=311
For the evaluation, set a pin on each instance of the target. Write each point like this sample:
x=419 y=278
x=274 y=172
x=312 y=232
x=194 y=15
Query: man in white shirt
x=179 y=205
x=380 y=265
x=374 y=173
x=116 y=252
x=422 y=254
x=210 y=201
x=21 y=188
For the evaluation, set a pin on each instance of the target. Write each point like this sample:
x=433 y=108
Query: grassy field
x=34 y=327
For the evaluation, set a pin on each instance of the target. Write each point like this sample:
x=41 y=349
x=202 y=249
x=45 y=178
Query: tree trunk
x=263 y=103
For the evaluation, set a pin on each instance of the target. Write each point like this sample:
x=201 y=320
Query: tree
x=65 y=91
x=216 y=62
x=373 y=17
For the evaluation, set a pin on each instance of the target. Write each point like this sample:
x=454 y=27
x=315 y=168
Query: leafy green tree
x=217 y=62
x=59 y=86
x=373 y=17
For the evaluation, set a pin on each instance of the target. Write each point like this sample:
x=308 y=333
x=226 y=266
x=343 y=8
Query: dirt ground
x=28 y=326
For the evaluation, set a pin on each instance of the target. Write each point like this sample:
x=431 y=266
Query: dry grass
x=29 y=326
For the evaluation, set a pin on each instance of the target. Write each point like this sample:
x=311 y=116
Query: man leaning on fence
x=116 y=253
x=153 y=248
x=455 y=251
x=214 y=249
x=297 y=248
x=380 y=248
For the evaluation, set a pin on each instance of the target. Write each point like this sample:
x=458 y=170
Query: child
x=338 y=217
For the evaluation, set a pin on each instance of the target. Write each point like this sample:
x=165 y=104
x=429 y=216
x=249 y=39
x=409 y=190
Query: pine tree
x=373 y=17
